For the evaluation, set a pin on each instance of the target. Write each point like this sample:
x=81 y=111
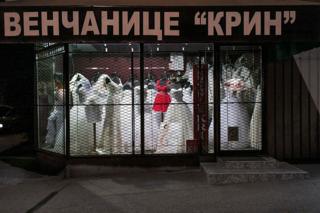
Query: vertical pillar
x=216 y=103
x=142 y=96
x=132 y=106
x=67 y=98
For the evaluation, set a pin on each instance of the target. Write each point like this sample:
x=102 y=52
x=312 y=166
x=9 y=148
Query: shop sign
x=158 y=23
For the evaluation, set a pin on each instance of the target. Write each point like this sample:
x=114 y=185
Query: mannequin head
x=127 y=86
x=58 y=80
x=58 y=85
x=136 y=83
x=107 y=79
x=177 y=94
x=115 y=78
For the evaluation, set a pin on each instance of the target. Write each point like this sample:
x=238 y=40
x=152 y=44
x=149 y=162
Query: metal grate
x=104 y=104
x=241 y=98
x=50 y=98
x=107 y=96
x=168 y=101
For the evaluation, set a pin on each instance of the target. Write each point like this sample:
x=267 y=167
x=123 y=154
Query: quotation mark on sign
x=289 y=16
x=200 y=18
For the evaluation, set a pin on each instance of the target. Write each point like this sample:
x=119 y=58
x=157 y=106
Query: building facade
x=144 y=85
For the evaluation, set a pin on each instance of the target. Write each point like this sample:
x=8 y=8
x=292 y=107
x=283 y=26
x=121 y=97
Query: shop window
x=110 y=101
x=51 y=100
x=169 y=101
x=104 y=90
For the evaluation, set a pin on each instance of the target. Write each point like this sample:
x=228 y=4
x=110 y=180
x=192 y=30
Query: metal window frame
x=217 y=101
x=169 y=157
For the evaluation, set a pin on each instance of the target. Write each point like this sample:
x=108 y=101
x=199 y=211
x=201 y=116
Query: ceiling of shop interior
x=161 y=2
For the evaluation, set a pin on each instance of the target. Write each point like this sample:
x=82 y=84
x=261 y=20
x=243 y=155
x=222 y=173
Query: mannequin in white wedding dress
x=151 y=127
x=95 y=109
x=130 y=119
x=55 y=127
x=126 y=119
x=176 y=128
x=111 y=142
x=81 y=131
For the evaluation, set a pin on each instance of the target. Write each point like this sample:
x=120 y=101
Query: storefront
x=172 y=85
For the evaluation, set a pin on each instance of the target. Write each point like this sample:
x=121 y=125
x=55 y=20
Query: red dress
x=163 y=99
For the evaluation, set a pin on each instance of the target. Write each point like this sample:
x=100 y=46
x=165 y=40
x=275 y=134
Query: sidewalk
x=160 y=191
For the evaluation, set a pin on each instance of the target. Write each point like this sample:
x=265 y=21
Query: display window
x=105 y=89
x=160 y=99
x=51 y=96
x=170 y=117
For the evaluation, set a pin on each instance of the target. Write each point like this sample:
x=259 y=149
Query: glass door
x=240 y=98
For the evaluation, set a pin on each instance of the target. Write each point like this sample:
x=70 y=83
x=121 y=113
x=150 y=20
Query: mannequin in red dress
x=162 y=100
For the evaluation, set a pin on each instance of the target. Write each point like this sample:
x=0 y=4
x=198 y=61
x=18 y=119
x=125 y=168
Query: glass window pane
x=240 y=108
x=104 y=106
x=169 y=105
x=50 y=100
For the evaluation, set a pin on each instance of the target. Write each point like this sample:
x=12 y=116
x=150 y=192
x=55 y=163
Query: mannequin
x=126 y=118
x=111 y=134
x=81 y=131
x=177 y=126
x=55 y=126
x=162 y=100
x=96 y=103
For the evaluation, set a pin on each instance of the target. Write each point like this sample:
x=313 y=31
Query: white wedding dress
x=176 y=128
x=111 y=134
x=55 y=129
x=256 y=122
x=81 y=131
x=130 y=131
x=234 y=114
x=188 y=98
x=96 y=103
x=150 y=122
